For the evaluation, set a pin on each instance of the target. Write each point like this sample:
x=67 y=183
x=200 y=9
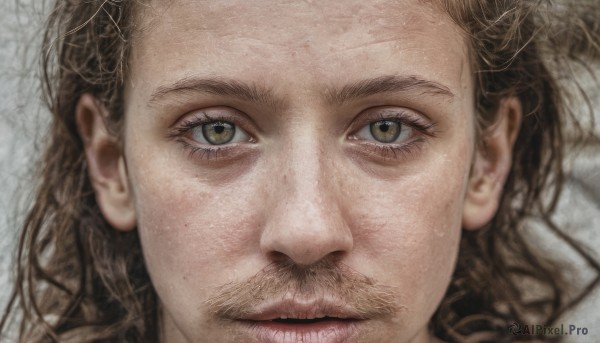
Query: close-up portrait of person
x=311 y=171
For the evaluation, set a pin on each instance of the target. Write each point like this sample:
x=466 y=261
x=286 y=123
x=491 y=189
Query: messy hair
x=80 y=280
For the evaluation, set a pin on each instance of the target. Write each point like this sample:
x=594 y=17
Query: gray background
x=20 y=119
x=23 y=118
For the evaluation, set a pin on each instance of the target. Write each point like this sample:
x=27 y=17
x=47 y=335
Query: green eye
x=385 y=131
x=218 y=132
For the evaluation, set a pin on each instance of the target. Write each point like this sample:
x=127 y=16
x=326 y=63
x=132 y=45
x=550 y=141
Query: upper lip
x=296 y=309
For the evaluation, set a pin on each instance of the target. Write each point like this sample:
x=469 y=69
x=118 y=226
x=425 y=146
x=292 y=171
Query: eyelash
x=388 y=151
x=201 y=152
x=392 y=151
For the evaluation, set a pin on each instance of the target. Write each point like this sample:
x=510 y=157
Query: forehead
x=285 y=21
x=297 y=42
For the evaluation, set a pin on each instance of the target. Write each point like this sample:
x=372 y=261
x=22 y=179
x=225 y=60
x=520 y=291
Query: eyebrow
x=257 y=94
x=387 y=84
x=217 y=86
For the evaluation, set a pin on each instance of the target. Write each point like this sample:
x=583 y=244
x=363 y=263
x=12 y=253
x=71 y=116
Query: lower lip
x=331 y=331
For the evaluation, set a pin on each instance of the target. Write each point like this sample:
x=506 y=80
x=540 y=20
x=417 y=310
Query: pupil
x=218 y=132
x=385 y=131
x=219 y=129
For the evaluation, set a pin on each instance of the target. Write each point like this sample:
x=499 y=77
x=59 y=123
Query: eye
x=218 y=132
x=386 y=131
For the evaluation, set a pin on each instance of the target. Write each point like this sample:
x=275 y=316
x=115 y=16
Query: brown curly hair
x=80 y=280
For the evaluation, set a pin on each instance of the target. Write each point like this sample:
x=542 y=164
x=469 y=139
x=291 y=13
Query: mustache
x=323 y=279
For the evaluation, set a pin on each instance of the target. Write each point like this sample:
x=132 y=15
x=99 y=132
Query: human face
x=301 y=160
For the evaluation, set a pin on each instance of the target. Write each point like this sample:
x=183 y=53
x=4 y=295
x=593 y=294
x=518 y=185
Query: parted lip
x=303 y=310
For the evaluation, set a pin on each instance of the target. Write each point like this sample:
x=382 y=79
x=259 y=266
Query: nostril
x=281 y=259
x=278 y=257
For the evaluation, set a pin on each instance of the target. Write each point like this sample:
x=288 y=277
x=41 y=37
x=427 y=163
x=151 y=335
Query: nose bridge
x=308 y=172
x=309 y=187
x=306 y=223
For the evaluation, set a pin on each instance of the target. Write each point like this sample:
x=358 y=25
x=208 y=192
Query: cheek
x=190 y=230
x=409 y=229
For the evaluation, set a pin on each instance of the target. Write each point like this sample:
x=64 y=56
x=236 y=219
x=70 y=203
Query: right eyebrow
x=217 y=86
x=388 y=84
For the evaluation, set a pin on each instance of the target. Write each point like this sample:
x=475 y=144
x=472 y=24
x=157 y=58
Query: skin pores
x=304 y=181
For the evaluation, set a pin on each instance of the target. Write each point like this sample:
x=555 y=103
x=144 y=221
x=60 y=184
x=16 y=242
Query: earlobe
x=491 y=166
x=106 y=165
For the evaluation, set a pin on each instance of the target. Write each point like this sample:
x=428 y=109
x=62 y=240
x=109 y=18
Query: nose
x=306 y=222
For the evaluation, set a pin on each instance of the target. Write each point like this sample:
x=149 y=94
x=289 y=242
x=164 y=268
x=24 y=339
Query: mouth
x=307 y=322
x=288 y=330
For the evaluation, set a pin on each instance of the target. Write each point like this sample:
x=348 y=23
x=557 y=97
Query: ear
x=491 y=166
x=106 y=165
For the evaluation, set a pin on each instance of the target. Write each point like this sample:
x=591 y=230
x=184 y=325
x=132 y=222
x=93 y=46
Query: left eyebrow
x=387 y=84
x=217 y=86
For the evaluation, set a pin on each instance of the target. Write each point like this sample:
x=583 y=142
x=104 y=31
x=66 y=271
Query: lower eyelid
x=388 y=152
x=226 y=152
